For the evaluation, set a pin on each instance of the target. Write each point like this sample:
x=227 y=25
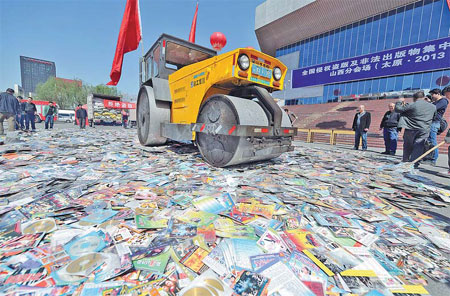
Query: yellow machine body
x=193 y=84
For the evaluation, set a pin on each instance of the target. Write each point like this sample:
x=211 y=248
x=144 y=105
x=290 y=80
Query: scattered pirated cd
x=10 y=218
x=98 y=205
x=108 y=223
x=92 y=242
x=207 y=284
x=114 y=266
x=85 y=264
x=61 y=278
x=216 y=284
x=156 y=251
x=199 y=291
x=142 y=211
x=111 y=262
x=132 y=204
x=43 y=225
x=99 y=216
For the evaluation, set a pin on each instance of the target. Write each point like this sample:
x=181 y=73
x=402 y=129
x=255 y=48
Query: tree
x=105 y=90
x=68 y=94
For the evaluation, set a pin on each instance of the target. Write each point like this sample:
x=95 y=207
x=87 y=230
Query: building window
x=444 y=28
x=435 y=19
x=425 y=20
x=359 y=44
x=416 y=22
x=407 y=21
x=390 y=27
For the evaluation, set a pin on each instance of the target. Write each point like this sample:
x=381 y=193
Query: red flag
x=448 y=4
x=129 y=37
x=193 y=26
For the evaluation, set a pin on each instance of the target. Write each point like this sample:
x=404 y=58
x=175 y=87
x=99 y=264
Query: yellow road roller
x=220 y=102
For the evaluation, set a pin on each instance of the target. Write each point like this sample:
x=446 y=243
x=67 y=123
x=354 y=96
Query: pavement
x=434 y=173
x=425 y=170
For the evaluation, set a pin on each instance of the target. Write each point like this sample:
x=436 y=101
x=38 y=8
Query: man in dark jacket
x=361 y=125
x=9 y=107
x=23 y=114
x=81 y=114
x=20 y=117
x=49 y=117
x=441 y=104
x=30 y=113
x=446 y=93
x=416 y=119
x=390 y=131
x=124 y=118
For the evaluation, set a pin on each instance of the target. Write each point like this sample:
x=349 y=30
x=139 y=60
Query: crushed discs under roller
x=225 y=150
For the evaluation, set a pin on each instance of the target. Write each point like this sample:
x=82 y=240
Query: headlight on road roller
x=277 y=73
x=243 y=62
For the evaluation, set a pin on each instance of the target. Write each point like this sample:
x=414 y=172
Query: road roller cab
x=221 y=102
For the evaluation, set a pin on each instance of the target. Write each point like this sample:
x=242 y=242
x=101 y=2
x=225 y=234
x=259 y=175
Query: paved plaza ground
x=66 y=159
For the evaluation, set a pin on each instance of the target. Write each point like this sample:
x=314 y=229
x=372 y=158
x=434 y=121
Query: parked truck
x=106 y=110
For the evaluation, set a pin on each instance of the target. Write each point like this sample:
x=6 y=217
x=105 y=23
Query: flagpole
x=140 y=25
x=142 y=44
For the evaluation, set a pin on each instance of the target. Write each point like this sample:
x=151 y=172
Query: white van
x=66 y=116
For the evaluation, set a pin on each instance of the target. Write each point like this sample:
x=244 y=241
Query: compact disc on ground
x=84 y=245
x=198 y=291
x=45 y=225
x=85 y=263
x=215 y=284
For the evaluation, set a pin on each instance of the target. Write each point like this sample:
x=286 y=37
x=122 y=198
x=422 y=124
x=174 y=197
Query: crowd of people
x=21 y=114
x=422 y=121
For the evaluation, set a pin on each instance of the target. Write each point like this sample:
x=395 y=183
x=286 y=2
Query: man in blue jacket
x=446 y=93
x=9 y=107
x=441 y=104
x=20 y=116
x=389 y=125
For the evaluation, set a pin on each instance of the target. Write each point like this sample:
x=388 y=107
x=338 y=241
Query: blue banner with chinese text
x=426 y=56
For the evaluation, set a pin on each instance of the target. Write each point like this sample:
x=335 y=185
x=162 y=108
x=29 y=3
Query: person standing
x=416 y=119
x=18 y=115
x=447 y=140
x=389 y=125
x=81 y=115
x=291 y=115
x=361 y=125
x=75 y=122
x=9 y=107
x=30 y=113
x=23 y=114
x=446 y=93
x=441 y=104
x=49 y=117
x=124 y=118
